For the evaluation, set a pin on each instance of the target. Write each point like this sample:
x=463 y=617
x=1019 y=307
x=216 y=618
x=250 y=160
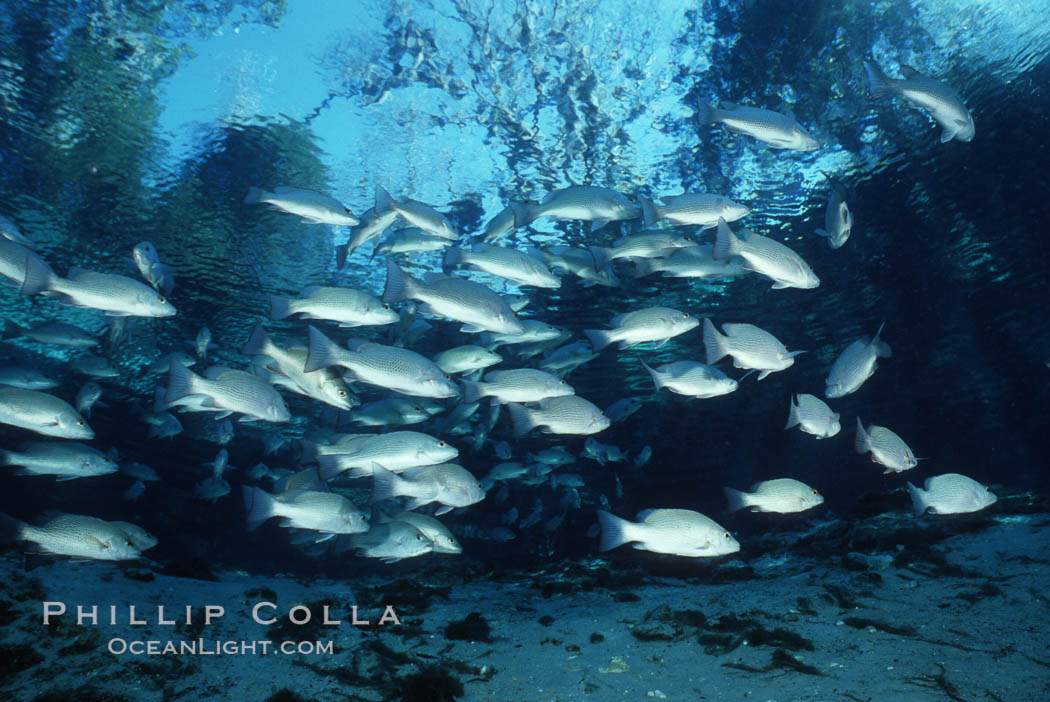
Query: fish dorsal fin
x=908 y=72
x=726 y=105
x=790 y=114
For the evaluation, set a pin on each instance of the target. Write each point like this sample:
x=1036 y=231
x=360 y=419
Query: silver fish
x=813 y=416
x=287 y=366
x=750 y=347
x=327 y=512
x=139 y=471
x=345 y=306
x=766 y=256
x=394 y=411
x=856 y=364
x=87 y=397
x=778 y=130
x=42 y=413
x=782 y=495
x=371 y=226
x=579 y=262
x=464 y=359
x=622 y=409
x=886 y=448
x=535 y=332
x=57 y=333
x=10 y=231
x=447 y=484
x=940 y=101
x=391 y=542
x=62 y=459
x=700 y=209
x=79 y=537
x=95 y=366
x=518 y=385
x=479 y=308
x=499 y=225
x=565 y=359
x=587 y=202
x=838 y=220
x=26 y=378
x=679 y=532
x=658 y=324
x=313 y=207
x=157 y=274
x=229 y=391
x=388 y=367
x=115 y=295
x=396 y=451
x=691 y=379
x=558 y=415
x=444 y=541
x=224 y=432
x=950 y=493
x=163 y=364
x=416 y=213
x=638 y=246
x=203 y=342
x=511 y=264
x=410 y=240
x=602 y=453
x=139 y=537
x=163 y=425
x=690 y=262
x=643 y=456
x=13 y=261
x=133 y=493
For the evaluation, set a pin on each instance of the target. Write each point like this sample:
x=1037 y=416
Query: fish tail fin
x=472 y=391
x=258 y=504
x=823 y=233
x=862 y=443
x=793 y=420
x=386 y=485
x=254 y=195
x=599 y=338
x=657 y=377
x=882 y=349
x=329 y=466
x=736 y=499
x=649 y=211
x=452 y=258
x=280 y=307
x=321 y=352
x=383 y=203
x=601 y=255
x=714 y=342
x=918 y=499
x=521 y=419
x=258 y=343
x=12 y=330
x=400 y=286
x=726 y=243
x=181 y=382
x=706 y=113
x=878 y=82
x=342 y=252
x=522 y=214
x=39 y=276
x=614 y=530
x=644 y=267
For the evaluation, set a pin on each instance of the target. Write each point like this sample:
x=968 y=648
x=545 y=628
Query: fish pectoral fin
x=779 y=285
x=947 y=135
x=764 y=374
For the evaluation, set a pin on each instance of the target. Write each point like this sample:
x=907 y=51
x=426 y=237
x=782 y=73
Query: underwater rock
x=14 y=658
x=473 y=628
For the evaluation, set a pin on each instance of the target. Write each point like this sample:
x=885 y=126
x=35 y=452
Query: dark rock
x=14 y=658
x=472 y=628
x=597 y=638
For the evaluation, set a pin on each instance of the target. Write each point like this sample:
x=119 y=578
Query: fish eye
x=814 y=492
x=80 y=423
x=725 y=535
x=441 y=444
x=418 y=409
x=161 y=300
x=342 y=393
x=419 y=537
x=386 y=307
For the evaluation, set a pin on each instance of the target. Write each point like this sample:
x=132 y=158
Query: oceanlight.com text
x=212 y=647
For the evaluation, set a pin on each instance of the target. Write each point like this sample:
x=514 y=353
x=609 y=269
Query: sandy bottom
x=965 y=619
